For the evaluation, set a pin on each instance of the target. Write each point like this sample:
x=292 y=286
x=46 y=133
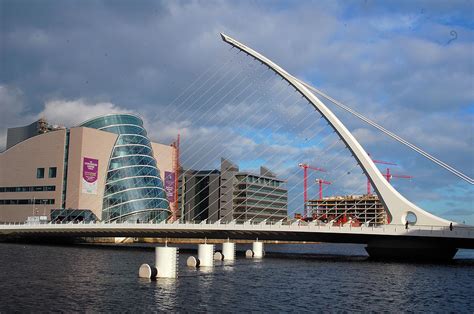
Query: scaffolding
x=351 y=209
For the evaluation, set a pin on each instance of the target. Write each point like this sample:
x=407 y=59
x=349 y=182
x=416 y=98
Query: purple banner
x=90 y=169
x=169 y=185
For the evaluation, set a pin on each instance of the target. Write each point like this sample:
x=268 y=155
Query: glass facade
x=133 y=190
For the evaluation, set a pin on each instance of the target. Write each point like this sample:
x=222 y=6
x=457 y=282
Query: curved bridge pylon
x=397 y=205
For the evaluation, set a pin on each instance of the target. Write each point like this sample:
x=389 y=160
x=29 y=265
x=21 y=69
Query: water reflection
x=165 y=293
x=206 y=270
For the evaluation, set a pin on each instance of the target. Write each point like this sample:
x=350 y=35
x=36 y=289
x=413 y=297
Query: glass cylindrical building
x=134 y=189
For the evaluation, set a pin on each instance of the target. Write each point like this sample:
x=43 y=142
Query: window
x=27 y=202
x=10 y=189
x=52 y=172
x=40 y=173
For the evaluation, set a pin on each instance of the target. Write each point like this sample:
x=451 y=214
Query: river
x=298 y=278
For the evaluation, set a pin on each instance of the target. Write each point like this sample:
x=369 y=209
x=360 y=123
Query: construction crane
x=388 y=175
x=377 y=162
x=321 y=182
x=305 y=182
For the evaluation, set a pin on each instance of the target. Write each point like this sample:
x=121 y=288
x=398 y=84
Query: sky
x=407 y=65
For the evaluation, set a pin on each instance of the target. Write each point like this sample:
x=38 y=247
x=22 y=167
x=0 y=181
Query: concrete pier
x=257 y=248
x=206 y=255
x=228 y=250
x=166 y=261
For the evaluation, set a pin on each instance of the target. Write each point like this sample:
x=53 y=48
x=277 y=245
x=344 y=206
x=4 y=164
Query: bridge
x=427 y=236
x=433 y=242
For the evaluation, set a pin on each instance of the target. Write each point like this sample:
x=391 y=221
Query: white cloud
x=390 y=61
x=72 y=112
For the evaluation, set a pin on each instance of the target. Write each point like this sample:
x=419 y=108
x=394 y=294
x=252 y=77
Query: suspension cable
x=391 y=134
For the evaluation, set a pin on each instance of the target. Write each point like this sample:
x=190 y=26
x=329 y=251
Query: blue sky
x=394 y=61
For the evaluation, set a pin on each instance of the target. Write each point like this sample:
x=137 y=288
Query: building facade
x=106 y=168
x=201 y=198
x=232 y=195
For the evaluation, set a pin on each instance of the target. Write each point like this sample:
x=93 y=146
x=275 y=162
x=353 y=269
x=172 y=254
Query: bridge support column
x=166 y=261
x=206 y=255
x=257 y=248
x=228 y=250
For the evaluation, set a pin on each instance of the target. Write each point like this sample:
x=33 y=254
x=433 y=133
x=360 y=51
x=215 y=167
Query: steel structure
x=397 y=205
x=305 y=183
x=321 y=182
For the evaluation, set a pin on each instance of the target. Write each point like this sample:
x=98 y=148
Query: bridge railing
x=400 y=229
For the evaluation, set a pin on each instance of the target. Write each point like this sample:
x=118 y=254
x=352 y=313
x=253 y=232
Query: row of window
x=48 y=188
x=258 y=180
x=51 y=173
x=28 y=202
x=265 y=190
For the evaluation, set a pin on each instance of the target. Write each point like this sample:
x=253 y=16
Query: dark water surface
x=327 y=278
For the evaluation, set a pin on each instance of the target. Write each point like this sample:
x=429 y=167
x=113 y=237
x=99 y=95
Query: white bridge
x=430 y=241
x=428 y=235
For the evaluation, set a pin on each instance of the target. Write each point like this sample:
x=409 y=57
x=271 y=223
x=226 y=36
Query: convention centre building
x=105 y=169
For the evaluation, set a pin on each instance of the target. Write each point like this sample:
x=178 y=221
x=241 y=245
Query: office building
x=230 y=194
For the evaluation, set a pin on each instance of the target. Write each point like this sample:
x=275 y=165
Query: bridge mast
x=397 y=205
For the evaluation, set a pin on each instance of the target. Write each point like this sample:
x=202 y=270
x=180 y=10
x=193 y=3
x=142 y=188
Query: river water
x=299 y=278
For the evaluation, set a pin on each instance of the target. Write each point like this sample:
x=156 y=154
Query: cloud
x=388 y=60
x=73 y=112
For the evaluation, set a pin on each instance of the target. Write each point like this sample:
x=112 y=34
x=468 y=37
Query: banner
x=90 y=171
x=169 y=185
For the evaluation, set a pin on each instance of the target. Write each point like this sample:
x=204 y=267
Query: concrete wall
x=165 y=162
x=228 y=171
x=90 y=143
x=164 y=158
x=18 y=167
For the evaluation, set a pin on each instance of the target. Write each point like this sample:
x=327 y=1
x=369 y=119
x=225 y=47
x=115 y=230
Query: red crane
x=389 y=175
x=377 y=162
x=305 y=192
x=321 y=182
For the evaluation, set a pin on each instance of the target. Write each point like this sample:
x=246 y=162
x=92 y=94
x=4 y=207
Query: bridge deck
x=460 y=237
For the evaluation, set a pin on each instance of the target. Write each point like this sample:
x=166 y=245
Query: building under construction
x=353 y=209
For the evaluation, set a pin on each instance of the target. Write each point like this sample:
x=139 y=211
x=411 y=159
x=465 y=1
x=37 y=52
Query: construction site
x=355 y=210
x=339 y=210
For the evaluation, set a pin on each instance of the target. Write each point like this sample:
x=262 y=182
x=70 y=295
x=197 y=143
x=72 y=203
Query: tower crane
x=321 y=182
x=305 y=182
x=389 y=175
x=377 y=162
